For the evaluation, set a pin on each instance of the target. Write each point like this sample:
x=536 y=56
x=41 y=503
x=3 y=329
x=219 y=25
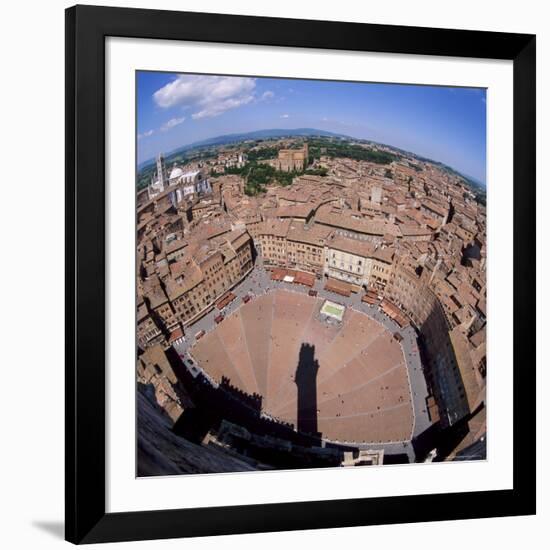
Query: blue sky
x=446 y=124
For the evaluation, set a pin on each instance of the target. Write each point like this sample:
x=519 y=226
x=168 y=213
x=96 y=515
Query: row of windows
x=359 y=262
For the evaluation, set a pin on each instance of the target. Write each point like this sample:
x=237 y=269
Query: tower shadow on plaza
x=306 y=383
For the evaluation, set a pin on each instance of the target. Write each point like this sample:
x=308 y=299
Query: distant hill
x=265 y=134
x=471 y=181
x=257 y=134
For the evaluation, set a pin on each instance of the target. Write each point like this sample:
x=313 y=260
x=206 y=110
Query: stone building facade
x=289 y=160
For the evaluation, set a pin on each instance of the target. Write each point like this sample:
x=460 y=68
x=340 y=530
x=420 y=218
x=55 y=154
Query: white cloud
x=285 y=116
x=267 y=95
x=146 y=134
x=171 y=123
x=208 y=96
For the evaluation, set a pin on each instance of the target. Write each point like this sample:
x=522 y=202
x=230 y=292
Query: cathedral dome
x=175 y=173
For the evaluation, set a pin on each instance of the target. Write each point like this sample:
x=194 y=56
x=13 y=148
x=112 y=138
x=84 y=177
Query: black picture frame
x=86 y=30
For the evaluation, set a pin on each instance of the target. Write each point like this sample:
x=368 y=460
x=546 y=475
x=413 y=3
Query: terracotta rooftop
x=364 y=249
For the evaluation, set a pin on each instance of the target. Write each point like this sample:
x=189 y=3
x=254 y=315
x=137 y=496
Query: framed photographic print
x=300 y=274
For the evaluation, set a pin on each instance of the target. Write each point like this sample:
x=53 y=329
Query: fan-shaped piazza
x=362 y=386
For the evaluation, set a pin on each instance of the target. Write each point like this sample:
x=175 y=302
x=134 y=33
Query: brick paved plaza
x=362 y=389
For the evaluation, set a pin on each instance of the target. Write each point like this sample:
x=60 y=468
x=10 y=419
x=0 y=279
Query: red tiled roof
x=278 y=274
x=339 y=287
x=303 y=278
x=175 y=335
x=227 y=299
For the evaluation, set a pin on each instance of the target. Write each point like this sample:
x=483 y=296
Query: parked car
x=199 y=334
x=312 y=292
x=398 y=336
x=246 y=298
x=219 y=319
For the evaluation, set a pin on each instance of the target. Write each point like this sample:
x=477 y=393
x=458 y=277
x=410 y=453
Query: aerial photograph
x=310 y=274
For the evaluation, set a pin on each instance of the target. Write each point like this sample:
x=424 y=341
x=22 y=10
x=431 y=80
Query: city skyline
x=446 y=124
